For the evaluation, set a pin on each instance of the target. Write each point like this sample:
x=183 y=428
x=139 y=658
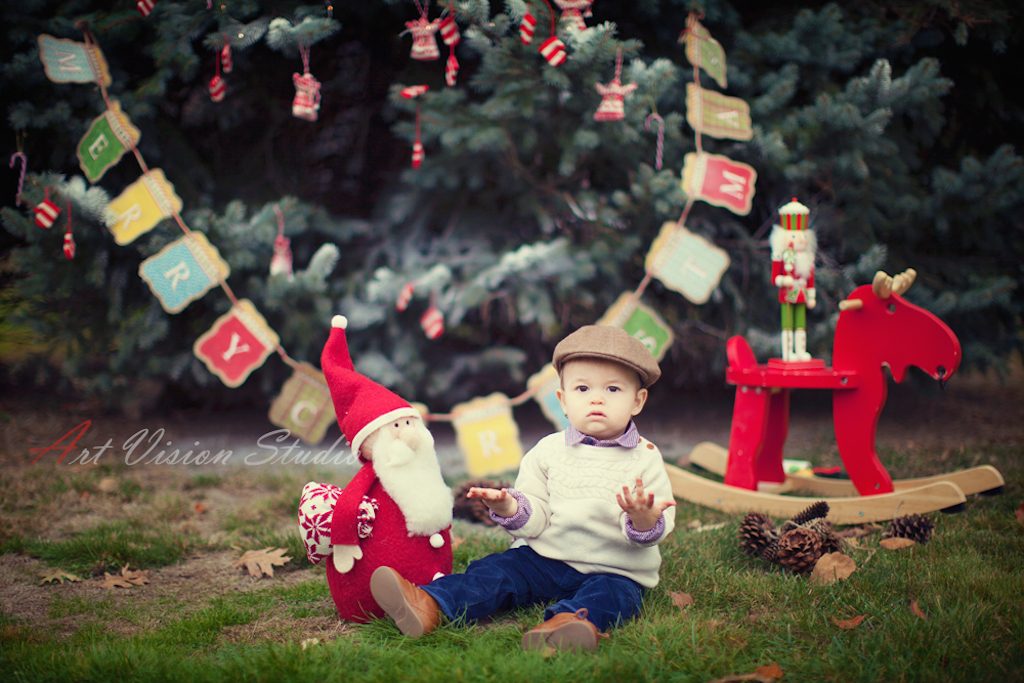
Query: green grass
x=110 y=546
x=968 y=581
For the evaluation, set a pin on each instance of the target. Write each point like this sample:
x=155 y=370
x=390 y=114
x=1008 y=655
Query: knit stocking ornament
x=451 y=37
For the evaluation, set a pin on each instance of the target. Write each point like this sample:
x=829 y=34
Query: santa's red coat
x=388 y=544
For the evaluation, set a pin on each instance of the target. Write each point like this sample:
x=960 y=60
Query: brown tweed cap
x=605 y=342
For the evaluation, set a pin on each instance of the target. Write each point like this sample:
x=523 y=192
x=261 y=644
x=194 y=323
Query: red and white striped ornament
x=46 y=212
x=69 y=239
x=432 y=322
x=404 y=297
x=450 y=31
x=451 y=70
x=145 y=6
x=527 y=28
x=226 y=63
x=553 y=50
x=217 y=88
x=412 y=92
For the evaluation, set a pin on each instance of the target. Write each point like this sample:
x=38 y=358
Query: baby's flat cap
x=605 y=342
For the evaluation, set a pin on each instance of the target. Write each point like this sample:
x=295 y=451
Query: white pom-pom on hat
x=339 y=321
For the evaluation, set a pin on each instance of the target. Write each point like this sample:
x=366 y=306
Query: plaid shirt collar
x=628 y=439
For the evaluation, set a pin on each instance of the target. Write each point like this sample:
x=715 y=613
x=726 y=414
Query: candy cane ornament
x=16 y=157
x=654 y=116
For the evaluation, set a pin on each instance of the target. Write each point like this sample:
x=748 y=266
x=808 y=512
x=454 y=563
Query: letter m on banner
x=720 y=181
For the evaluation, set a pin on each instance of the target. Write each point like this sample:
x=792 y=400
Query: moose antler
x=901 y=283
x=882 y=285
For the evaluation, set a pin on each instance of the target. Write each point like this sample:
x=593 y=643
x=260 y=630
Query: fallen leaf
x=849 y=624
x=262 y=562
x=309 y=642
x=457 y=541
x=858 y=531
x=1020 y=513
x=916 y=609
x=769 y=673
x=896 y=543
x=681 y=600
x=832 y=567
x=199 y=507
x=57 y=576
x=126 y=579
x=107 y=485
x=694 y=524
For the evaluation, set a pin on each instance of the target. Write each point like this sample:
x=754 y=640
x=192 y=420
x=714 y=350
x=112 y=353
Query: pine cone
x=817 y=510
x=799 y=550
x=771 y=552
x=472 y=509
x=831 y=542
x=915 y=527
x=757 y=533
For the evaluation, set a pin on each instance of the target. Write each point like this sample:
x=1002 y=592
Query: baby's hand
x=641 y=510
x=499 y=501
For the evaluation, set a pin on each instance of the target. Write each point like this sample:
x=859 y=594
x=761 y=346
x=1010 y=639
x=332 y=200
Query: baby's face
x=600 y=397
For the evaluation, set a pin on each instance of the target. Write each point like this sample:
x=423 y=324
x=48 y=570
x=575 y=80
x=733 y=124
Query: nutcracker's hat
x=361 y=405
x=794 y=215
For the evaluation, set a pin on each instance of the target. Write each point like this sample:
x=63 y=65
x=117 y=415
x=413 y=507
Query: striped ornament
x=450 y=31
x=404 y=297
x=414 y=91
x=526 y=28
x=432 y=322
x=69 y=244
x=145 y=6
x=46 y=213
x=226 y=63
x=217 y=88
x=553 y=50
x=417 y=154
x=451 y=70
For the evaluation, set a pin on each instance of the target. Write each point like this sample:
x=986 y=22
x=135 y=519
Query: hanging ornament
x=432 y=322
x=654 y=116
x=404 y=297
x=527 y=28
x=412 y=93
x=306 y=104
x=281 y=261
x=226 y=63
x=46 y=211
x=16 y=157
x=451 y=37
x=424 y=43
x=613 y=95
x=553 y=49
x=573 y=12
x=145 y=6
x=217 y=85
x=69 y=240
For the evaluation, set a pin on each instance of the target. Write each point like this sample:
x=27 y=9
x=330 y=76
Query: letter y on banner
x=238 y=343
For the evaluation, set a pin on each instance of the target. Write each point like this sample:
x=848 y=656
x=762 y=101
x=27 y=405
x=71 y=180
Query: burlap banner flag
x=183 y=271
x=487 y=435
x=543 y=386
x=720 y=181
x=640 y=321
x=716 y=114
x=66 y=61
x=705 y=52
x=686 y=262
x=304 y=405
x=108 y=138
x=142 y=205
x=238 y=343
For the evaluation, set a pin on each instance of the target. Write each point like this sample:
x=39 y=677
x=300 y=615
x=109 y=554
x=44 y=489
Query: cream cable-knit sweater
x=575 y=517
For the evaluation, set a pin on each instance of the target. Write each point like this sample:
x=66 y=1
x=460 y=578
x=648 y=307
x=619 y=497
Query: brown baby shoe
x=412 y=609
x=564 y=631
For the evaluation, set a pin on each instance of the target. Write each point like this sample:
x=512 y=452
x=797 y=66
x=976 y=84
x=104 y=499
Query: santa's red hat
x=361 y=405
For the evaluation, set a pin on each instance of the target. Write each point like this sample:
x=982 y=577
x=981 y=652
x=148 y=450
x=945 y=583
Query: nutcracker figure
x=793 y=250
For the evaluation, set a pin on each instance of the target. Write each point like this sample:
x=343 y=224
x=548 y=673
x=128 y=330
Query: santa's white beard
x=413 y=479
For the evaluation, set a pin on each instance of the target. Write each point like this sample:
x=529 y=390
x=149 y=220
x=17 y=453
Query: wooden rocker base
x=983 y=479
x=694 y=488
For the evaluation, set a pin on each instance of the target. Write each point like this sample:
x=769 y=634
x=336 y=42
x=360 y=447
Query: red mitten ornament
x=432 y=322
x=226 y=63
x=217 y=88
x=527 y=28
x=145 y=6
x=306 y=104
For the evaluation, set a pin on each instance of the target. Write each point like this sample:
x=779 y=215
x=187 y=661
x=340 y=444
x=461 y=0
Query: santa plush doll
x=396 y=510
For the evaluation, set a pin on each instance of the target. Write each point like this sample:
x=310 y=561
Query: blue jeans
x=520 y=577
